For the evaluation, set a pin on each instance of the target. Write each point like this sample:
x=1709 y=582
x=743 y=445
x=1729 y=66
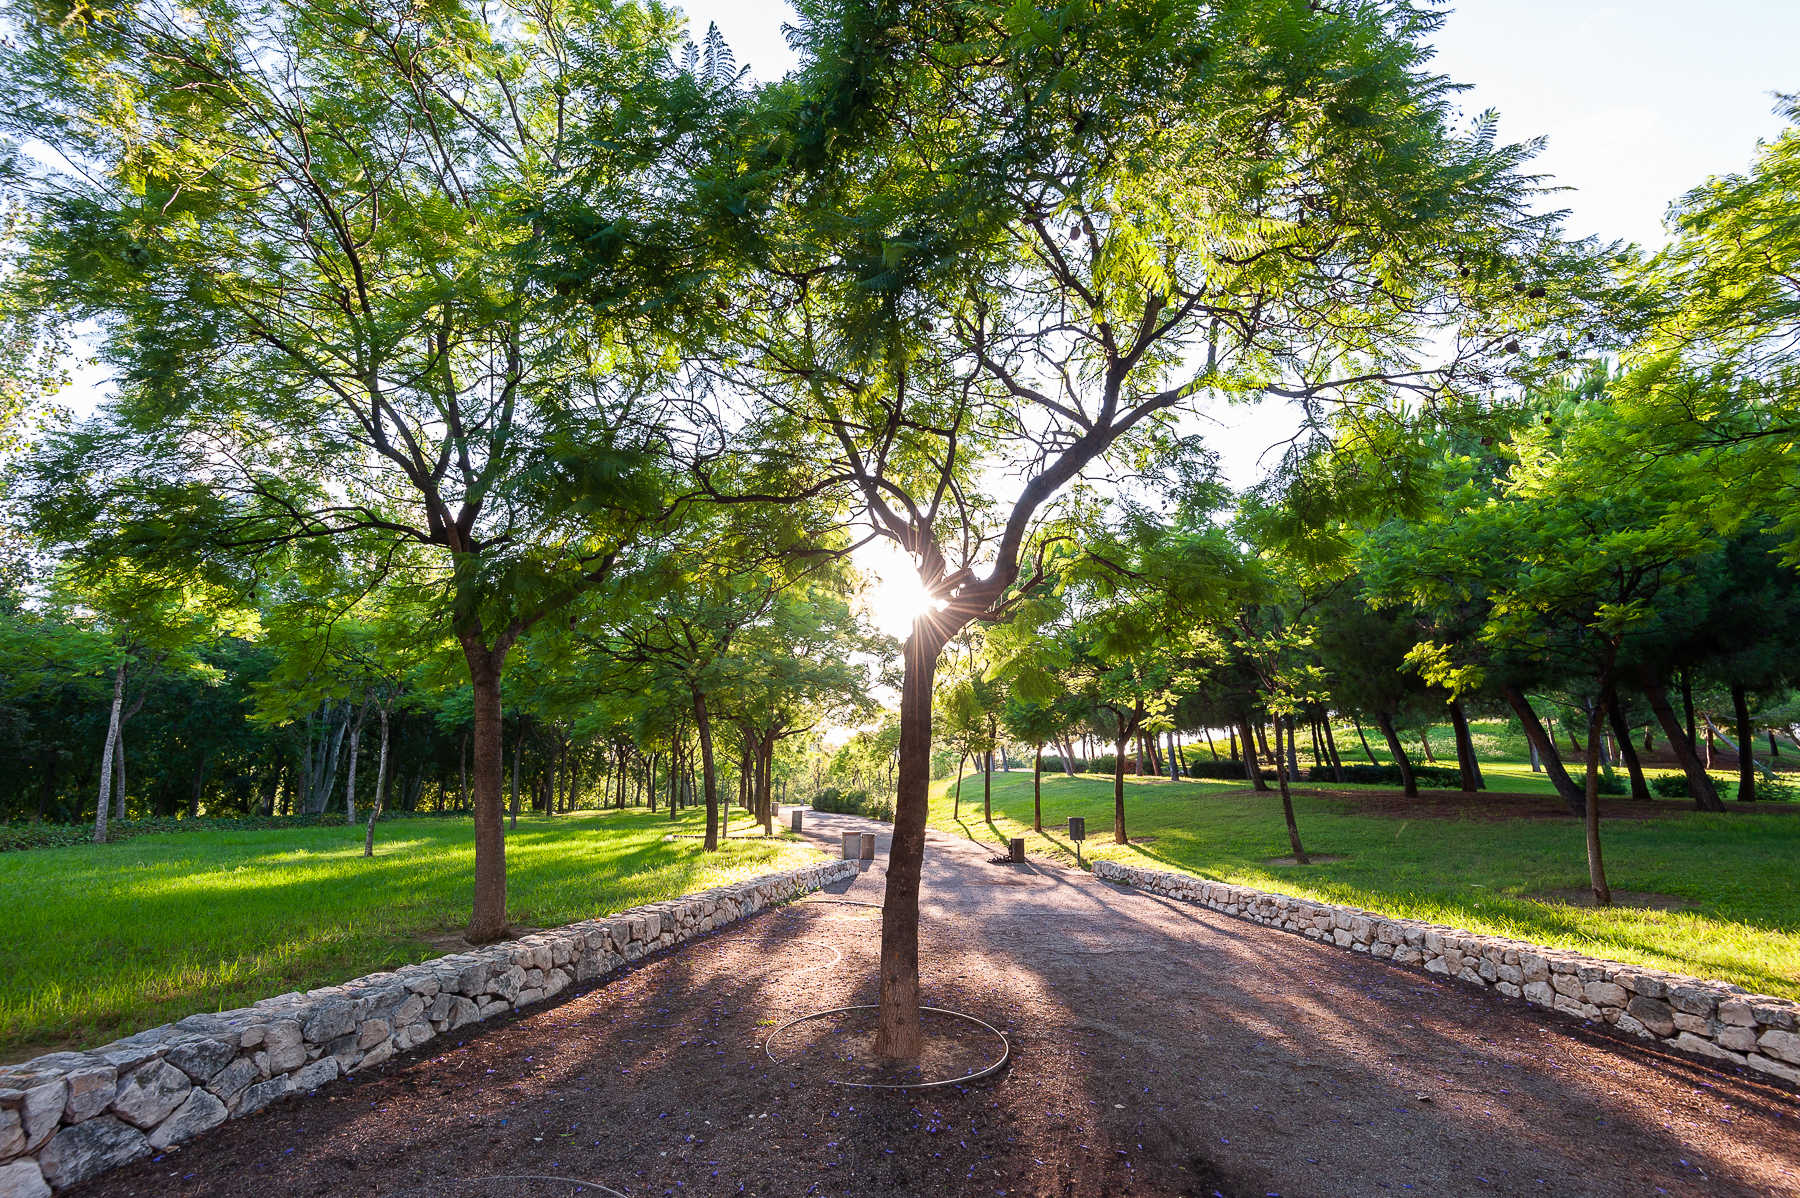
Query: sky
x=1639 y=102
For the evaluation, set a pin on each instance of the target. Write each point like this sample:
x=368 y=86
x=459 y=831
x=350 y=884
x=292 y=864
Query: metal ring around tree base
x=981 y=1074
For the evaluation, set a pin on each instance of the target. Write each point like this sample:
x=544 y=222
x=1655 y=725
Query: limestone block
x=88 y=1149
x=201 y=1112
x=23 y=1179
x=150 y=1094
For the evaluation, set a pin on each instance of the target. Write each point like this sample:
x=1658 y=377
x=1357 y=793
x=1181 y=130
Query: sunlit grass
x=105 y=940
x=1737 y=869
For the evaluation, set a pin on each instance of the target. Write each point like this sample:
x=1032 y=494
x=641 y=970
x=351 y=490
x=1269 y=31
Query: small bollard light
x=794 y=817
x=1077 y=833
x=852 y=845
x=1016 y=852
x=868 y=846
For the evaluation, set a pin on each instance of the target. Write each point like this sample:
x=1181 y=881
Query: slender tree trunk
x=1293 y=754
x=104 y=807
x=1177 y=762
x=1700 y=785
x=1591 y=820
x=1262 y=737
x=1037 y=791
x=987 y=789
x=1539 y=736
x=350 y=776
x=956 y=803
x=119 y=771
x=1210 y=747
x=897 y=1032
x=1425 y=743
x=1234 y=742
x=1119 y=785
x=1640 y=789
x=1466 y=765
x=1287 y=800
x=1740 y=708
x=1331 y=751
x=381 y=762
x=708 y=772
x=1251 y=771
x=1362 y=736
x=487 y=922
x=1409 y=784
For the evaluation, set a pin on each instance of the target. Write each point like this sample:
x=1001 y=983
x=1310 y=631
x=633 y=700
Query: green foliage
x=853 y=802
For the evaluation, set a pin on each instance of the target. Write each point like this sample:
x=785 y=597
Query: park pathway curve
x=1158 y=1049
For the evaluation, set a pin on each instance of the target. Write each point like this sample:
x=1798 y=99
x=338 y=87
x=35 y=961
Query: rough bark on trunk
x=897 y=1032
x=1700 y=785
x=1409 y=784
x=104 y=807
x=487 y=922
x=1331 y=751
x=1539 y=736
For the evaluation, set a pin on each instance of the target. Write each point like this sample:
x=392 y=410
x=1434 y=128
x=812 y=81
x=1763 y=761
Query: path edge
x=67 y=1117
x=1718 y=1022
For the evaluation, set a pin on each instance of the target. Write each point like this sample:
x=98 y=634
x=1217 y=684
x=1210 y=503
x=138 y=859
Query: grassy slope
x=1738 y=869
x=105 y=940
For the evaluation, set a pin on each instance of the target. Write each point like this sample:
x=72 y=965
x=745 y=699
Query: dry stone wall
x=1715 y=1020
x=69 y=1116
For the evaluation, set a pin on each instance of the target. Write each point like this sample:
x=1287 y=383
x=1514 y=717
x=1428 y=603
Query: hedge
x=853 y=802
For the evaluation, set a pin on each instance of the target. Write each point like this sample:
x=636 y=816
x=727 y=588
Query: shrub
x=853 y=802
x=56 y=836
x=1674 y=786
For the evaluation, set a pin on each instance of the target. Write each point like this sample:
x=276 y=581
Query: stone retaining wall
x=1715 y=1020
x=68 y=1116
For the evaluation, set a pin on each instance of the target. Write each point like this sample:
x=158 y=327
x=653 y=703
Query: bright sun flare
x=892 y=593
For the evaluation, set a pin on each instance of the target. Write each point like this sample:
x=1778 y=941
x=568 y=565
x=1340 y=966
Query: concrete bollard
x=794 y=819
x=852 y=845
x=868 y=846
x=1017 y=848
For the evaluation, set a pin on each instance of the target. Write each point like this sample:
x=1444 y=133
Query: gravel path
x=1157 y=1049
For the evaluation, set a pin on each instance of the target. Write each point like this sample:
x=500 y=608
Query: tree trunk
x=987 y=789
x=1251 y=772
x=1037 y=791
x=1331 y=751
x=1700 y=786
x=1687 y=707
x=1740 y=708
x=1596 y=867
x=956 y=802
x=1293 y=754
x=350 y=778
x=119 y=771
x=104 y=807
x=1466 y=765
x=897 y=1033
x=1640 y=789
x=1362 y=736
x=1119 y=784
x=1538 y=735
x=1409 y=784
x=709 y=776
x=487 y=922
x=1425 y=743
x=1210 y=747
x=381 y=759
x=1287 y=800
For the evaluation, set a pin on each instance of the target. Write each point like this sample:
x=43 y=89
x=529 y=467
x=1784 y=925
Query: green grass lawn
x=105 y=940
x=1739 y=870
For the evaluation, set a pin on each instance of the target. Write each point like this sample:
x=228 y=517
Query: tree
x=307 y=244
x=1009 y=246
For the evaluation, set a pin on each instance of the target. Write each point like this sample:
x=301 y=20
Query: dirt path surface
x=1158 y=1049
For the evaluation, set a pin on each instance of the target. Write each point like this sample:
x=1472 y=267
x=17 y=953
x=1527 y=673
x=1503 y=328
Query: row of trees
x=583 y=347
